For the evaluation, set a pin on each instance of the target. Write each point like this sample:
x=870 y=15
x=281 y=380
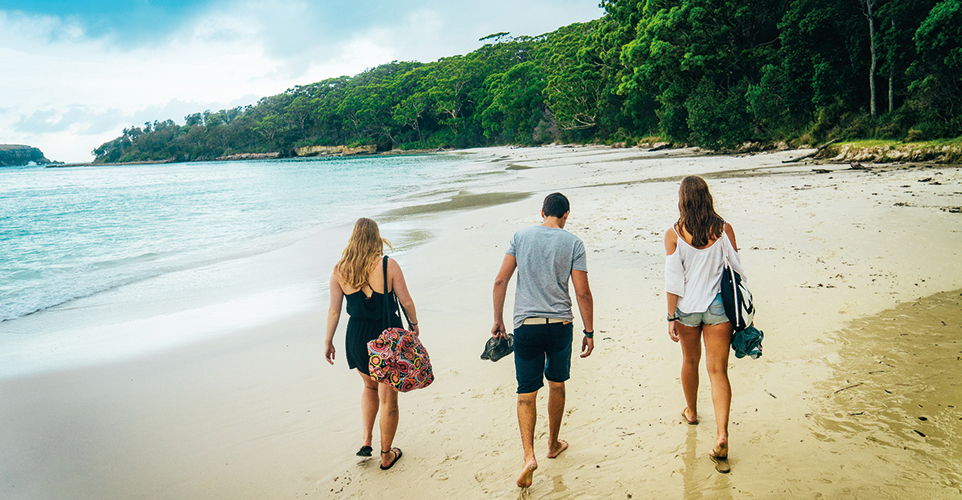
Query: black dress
x=365 y=324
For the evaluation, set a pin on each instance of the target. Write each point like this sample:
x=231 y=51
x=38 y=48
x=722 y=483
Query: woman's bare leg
x=389 y=420
x=690 y=340
x=369 y=406
x=717 y=346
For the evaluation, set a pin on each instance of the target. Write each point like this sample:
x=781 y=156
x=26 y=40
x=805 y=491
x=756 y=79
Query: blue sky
x=75 y=73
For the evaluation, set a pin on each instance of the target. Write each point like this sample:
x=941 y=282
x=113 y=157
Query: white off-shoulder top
x=694 y=274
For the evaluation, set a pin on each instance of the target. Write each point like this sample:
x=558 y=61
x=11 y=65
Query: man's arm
x=586 y=305
x=508 y=265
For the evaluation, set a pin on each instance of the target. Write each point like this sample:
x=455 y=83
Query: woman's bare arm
x=333 y=316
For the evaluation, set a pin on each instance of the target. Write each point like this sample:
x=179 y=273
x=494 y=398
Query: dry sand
x=856 y=276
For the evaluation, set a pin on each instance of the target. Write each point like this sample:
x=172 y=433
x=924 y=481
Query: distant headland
x=12 y=155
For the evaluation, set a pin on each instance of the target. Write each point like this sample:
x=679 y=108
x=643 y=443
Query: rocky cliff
x=17 y=154
x=893 y=153
x=335 y=150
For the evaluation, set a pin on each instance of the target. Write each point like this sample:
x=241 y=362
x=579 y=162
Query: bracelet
x=588 y=334
x=672 y=318
x=412 y=324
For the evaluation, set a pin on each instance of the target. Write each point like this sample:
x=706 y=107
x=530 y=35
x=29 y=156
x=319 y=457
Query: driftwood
x=817 y=151
x=849 y=387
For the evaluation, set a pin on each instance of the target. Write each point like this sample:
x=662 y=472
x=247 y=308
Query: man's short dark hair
x=555 y=205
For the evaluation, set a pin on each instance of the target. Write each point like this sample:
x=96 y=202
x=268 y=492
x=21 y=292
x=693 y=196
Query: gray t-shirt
x=546 y=256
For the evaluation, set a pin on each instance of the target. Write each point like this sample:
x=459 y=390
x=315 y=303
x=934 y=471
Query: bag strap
x=387 y=308
x=727 y=249
x=391 y=298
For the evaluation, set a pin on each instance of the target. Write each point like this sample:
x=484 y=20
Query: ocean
x=87 y=237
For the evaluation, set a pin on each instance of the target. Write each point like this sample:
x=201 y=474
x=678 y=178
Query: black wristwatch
x=588 y=334
x=672 y=318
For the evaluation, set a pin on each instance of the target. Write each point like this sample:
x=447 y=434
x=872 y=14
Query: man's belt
x=543 y=321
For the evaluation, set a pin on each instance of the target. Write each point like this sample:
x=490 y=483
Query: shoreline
x=252 y=157
x=256 y=413
x=875 y=152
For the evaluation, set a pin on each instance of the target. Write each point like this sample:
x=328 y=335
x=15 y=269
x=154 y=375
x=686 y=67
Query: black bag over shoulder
x=746 y=339
x=736 y=297
x=737 y=300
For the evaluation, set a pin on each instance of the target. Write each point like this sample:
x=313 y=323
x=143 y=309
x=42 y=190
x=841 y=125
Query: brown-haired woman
x=697 y=246
x=359 y=277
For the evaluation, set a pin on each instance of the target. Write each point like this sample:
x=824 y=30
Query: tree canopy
x=712 y=73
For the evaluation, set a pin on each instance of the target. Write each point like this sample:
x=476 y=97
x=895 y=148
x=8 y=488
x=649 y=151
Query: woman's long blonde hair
x=363 y=248
x=697 y=212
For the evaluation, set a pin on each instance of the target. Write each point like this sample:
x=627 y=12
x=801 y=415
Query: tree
x=299 y=112
x=517 y=104
x=574 y=85
x=681 y=43
x=449 y=94
x=194 y=120
x=821 y=52
x=898 y=21
x=268 y=127
x=937 y=85
x=868 y=7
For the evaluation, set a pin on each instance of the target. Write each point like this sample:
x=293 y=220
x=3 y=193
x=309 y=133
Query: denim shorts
x=715 y=315
x=542 y=349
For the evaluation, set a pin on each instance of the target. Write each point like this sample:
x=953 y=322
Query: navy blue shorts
x=542 y=349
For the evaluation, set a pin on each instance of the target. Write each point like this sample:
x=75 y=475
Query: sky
x=75 y=73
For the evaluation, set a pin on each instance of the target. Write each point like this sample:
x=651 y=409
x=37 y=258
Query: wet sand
x=841 y=265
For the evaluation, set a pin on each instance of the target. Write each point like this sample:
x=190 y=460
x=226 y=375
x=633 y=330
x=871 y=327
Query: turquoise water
x=70 y=233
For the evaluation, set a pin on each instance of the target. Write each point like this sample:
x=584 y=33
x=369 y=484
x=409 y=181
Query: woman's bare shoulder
x=671 y=240
x=338 y=281
x=731 y=235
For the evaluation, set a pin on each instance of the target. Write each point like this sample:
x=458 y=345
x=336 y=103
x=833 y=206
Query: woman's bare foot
x=527 y=475
x=693 y=420
x=562 y=446
x=719 y=455
x=721 y=449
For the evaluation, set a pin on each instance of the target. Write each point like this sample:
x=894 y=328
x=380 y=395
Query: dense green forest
x=711 y=73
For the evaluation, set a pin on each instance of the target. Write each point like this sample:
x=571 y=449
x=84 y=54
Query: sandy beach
x=857 y=281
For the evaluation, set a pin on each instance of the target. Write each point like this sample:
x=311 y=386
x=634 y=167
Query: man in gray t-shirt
x=546 y=257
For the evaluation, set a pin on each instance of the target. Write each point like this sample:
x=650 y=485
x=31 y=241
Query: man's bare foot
x=527 y=475
x=562 y=446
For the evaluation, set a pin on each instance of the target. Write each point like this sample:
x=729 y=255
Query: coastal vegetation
x=710 y=73
x=19 y=154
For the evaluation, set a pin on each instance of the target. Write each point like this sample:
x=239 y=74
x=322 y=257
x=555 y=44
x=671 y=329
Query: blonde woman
x=696 y=246
x=359 y=277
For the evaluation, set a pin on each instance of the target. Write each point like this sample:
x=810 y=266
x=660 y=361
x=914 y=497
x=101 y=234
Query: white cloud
x=67 y=91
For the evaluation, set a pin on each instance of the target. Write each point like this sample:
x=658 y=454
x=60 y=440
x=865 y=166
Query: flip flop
x=365 y=451
x=685 y=418
x=397 y=456
x=721 y=463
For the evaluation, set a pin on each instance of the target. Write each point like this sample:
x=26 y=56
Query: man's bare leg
x=556 y=410
x=527 y=414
